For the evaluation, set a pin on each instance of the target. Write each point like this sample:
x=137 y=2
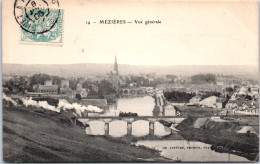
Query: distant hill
x=68 y=70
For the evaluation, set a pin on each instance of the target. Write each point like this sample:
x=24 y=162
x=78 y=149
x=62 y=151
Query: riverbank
x=29 y=136
x=223 y=135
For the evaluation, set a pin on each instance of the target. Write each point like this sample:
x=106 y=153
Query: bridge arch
x=141 y=91
x=133 y=92
x=118 y=128
x=125 y=91
x=96 y=127
x=161 y=130
x=140 y=128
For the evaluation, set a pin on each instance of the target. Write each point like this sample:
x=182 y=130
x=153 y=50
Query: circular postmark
x=36 y=16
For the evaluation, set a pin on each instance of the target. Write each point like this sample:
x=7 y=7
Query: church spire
x=115 y=66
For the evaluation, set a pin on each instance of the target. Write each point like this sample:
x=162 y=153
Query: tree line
x=176 y=96
x=104 y=87
x=203 y=78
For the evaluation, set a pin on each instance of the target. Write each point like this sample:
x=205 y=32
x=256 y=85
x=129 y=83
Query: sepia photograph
x=130 y=81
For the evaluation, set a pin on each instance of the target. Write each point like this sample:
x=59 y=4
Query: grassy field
x=37 y=137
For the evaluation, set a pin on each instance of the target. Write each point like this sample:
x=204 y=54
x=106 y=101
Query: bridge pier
x=163 y=112
x=129 y=128
x=106 y=129
x=151 y=128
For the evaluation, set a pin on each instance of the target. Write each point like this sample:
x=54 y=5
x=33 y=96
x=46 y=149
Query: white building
x=212 y=101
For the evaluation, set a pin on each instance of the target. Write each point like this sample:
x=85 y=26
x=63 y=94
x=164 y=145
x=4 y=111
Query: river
x=176 y=149
x=143 y=106
x=190 y=151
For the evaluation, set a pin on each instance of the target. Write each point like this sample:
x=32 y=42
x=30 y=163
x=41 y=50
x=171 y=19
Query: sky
x=190 y=33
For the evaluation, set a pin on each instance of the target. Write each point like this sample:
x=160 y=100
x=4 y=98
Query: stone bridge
x=129 y=120
x=136 y=91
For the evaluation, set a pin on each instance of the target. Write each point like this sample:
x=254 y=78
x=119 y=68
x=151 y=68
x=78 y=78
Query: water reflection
x=117 y=128
x=189 y=151
x=140 y=128
x=95 y=128
x=160 y=130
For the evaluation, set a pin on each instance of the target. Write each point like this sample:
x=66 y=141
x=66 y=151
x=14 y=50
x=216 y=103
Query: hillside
x=39 y=137
x=67 y=70
x=222 y=135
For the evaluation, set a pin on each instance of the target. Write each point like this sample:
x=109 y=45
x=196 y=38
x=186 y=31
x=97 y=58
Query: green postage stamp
x=54 y=35
x=41 y=22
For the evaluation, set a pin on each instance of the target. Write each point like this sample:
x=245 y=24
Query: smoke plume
x=40 y=104
x=63 y=104
x=9 y=100
x=78 y=108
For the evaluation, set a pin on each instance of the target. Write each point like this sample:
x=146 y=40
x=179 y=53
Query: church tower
x=116 y=66
x=115 y=76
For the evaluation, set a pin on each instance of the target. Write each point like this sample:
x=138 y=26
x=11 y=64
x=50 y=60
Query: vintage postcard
x=130 y=81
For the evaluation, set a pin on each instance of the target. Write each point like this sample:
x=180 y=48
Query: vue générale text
x=116 y=21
